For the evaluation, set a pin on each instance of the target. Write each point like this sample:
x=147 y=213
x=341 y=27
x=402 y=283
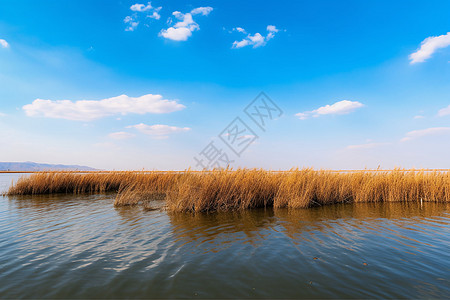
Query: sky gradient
x=133 y=84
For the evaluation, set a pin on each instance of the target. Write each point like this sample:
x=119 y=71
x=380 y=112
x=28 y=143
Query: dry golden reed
x=225 y=190
x=101 y=182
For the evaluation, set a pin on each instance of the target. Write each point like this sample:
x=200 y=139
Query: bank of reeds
x=81 y=183
x=225 y=190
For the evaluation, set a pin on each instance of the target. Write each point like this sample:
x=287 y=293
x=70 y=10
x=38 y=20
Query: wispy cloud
x=419 y=117
x=121 y=135
x=2 y=114
x=366 y=146
x=159 y=131
x=183 y=29
x=148 y=10
x=256 y=40
x=131 y=22
x=3 y=43
x=88 y=110
x=444 y=112
x=338 y=108
x=202 y=11
x=429 y=46
x=415 y=134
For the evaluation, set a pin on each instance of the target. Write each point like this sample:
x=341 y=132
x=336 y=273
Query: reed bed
x=81 y=183
x=228 y=190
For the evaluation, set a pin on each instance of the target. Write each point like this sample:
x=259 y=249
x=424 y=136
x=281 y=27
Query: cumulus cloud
x=183 y=29
x=256 y=40
x=272 y=28
x=444 y=112
x=88 y=110
x=415 y=134
x=141 y=7
x=121 y=135
x=159 y=131
x=3 y=43
x=429 y=46
x=338 y=108
x=148 y=10
x=155 y=15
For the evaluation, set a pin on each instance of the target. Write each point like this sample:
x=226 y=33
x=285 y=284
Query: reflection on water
x=360 y=250
x=220 y=230
x=83 y=247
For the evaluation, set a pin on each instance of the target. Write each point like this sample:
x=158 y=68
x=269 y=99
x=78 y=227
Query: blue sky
x=137 y=84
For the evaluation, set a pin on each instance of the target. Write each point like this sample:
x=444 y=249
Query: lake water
x=82 y=247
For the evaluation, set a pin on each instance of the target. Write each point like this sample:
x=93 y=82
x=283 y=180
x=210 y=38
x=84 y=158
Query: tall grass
x=80 y=183
x=225 y=190
x=242 y=189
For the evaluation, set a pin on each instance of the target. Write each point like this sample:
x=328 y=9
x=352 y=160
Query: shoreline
x=208 y=171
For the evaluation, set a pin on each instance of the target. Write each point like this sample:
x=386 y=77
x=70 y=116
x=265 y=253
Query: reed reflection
x=331 y=223
x=222 y=228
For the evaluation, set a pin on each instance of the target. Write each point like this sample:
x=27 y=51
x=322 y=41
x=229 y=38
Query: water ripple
x=83 y=247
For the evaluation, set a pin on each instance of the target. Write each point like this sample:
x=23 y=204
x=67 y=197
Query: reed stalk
x=228 y=190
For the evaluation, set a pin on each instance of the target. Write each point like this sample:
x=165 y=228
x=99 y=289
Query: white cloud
x=150 y=12
x=338 y=108
x=247 y=136
x=183 y=29
x=88 y=110
x=425 y=132
x=241 y=44
x=131 y=22
x=3 y=43
x=141 y=7
x=366 y=146
x=159 y=131
x=155 y=15
x=256 y=40
x=444 y=112
x=272 y=28
x=121 y=135
x=429 y=46
x=202 y=10
x=2 y=114
x=418 y=117
x=302 y=116
x=176 y=34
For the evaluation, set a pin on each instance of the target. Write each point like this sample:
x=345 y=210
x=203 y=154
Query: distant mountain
x=32 y=166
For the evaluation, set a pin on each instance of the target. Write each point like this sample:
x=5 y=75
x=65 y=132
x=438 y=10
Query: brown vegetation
x=101 y=182
x=225 y=190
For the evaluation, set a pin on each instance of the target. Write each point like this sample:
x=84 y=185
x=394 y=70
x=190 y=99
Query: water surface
x=6 y=179
x=82 y=247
